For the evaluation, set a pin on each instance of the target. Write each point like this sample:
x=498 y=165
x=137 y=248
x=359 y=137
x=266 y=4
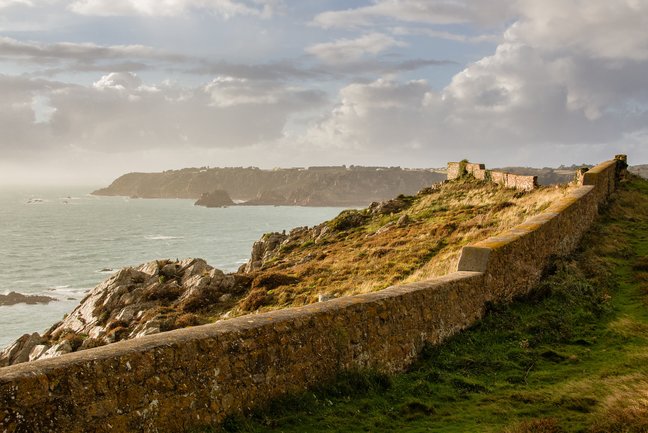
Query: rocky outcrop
x=216 y=198
x=157 y=296
x=13 y=298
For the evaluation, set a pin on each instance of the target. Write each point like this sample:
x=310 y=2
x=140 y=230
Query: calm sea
x=61 y=242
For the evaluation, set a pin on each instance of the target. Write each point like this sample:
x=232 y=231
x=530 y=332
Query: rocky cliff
x=314 y=186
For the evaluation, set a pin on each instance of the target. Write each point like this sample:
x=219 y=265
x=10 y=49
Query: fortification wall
x=193 y=377
x=478 y=171
x=513 y=261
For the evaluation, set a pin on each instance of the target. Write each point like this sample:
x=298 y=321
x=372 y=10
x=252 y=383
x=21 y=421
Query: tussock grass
x=625 y=410
x=365 y=251
x=572 y=357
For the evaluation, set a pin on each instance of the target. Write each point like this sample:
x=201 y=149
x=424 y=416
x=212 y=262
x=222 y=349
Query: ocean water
x=60 y=242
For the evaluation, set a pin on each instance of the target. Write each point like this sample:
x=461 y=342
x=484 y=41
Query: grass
x=408 y=239
x=572 y=357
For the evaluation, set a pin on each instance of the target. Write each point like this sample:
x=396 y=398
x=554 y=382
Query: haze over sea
x=71 y=241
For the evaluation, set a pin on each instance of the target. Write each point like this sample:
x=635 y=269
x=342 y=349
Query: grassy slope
x=364 y=251
x=572 y=358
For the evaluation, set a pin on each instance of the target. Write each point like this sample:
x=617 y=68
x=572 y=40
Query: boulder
x=263 y=250
x=21 y=349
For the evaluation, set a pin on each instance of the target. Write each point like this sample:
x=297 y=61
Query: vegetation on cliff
x=405 y=239
x=569 y=358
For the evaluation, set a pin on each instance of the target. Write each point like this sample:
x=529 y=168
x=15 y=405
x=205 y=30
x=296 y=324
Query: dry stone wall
x=194 y=377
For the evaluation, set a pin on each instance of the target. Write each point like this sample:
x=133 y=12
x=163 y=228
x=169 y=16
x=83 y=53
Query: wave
x=163 y=238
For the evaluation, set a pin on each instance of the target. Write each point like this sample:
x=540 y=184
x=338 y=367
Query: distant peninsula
x=312 y=186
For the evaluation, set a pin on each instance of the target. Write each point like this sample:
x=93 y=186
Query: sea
x=61 y=242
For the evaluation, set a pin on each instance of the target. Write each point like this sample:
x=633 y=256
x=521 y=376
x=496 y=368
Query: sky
x=92 y=89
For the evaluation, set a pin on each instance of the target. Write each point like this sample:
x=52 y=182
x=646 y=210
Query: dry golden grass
x=625 y=410
x=371 y=251
x=540 y=425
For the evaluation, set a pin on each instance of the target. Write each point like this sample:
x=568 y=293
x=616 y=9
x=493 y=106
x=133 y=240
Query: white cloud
x=419 y=11
x=380 y=114
x=223 y=8
x=120 y=113
x=440 y=34
x=596 y=28
x=118 y=81
x=350 y=50
x=7 y=3
x=566 y=76
x=231 y=92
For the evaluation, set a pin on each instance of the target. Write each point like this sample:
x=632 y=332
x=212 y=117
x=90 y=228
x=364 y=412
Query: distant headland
x=312 y=186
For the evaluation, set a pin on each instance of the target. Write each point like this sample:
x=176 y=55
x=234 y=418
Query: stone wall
x=183 y=379
x=513 y=261
x=478 y=171
x=194 y=377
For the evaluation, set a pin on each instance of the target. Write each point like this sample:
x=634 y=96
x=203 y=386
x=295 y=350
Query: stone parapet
x=513 y=261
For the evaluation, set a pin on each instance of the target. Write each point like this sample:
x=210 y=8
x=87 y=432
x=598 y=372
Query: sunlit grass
x=366 y=251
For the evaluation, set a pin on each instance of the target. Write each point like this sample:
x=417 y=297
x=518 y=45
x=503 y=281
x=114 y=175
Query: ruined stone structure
x=478 y=171
x=193 y=377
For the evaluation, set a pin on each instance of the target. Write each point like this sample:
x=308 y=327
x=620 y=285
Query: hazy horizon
x=94 y=89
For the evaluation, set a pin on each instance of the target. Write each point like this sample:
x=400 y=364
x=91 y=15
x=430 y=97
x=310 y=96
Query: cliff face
x=324 y=186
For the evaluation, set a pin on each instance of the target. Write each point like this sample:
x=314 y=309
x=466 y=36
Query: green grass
x=572 y=357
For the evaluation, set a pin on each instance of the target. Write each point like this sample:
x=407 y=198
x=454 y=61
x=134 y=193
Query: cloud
x=8 y=3
x=418 y=11
x=36 y=52
x=496 y=119
x=560 y=85
x=596 y=28
x=349 y=50
x=121 y=113
x=118 y=81
x=439 y=34
x=223 y=8
x=364 y=55
x=57 y=58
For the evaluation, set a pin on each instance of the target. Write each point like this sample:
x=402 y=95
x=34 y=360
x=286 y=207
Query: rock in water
x=18 y=298
x=216 y=198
